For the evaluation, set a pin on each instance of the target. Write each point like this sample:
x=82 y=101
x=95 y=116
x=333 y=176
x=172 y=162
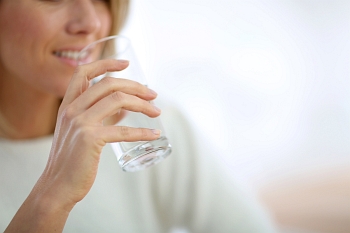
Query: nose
x=83 y=18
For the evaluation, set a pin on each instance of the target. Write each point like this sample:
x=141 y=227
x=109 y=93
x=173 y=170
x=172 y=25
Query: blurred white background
x=266 y=81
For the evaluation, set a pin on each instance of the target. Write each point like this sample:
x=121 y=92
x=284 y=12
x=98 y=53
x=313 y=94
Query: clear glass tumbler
x=132 y=156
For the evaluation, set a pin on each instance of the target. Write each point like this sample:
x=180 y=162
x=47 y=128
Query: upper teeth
x=68 y=54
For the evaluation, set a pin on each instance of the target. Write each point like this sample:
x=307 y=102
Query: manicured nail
x=156 y=108
x=123 y=61
x=156 y=131
x=153 y=92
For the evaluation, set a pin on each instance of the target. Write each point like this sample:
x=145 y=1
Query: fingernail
x=156 y=131
x=123 y=61
x=156 y=108
x=153 y=92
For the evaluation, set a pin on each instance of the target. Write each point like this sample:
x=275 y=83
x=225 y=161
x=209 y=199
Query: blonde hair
x=119 y=11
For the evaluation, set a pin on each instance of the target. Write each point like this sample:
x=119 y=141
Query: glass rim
x=92 y=44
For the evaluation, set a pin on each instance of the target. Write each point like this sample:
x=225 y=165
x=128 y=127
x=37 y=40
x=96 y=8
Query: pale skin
x=31 y=101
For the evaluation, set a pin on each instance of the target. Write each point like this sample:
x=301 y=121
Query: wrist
x=50 y=198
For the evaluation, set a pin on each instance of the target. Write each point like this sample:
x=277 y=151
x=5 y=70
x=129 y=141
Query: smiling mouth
x=72 y=54
x=69 y=54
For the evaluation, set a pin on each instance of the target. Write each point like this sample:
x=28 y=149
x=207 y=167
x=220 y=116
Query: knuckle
x=108 y=81
x=139 y=88
x=118 y=96
x=77 y=122
x=146 y=107
x=124 y=131
x=81 y=72
x=88 y=137
x=68 y=113
x=70 y=117
x=87 y=134
x=79 y=69
x=143 y=133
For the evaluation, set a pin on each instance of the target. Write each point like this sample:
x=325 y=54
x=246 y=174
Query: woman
x=53 y=140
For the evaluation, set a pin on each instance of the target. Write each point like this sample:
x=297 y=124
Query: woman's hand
x=80 y=136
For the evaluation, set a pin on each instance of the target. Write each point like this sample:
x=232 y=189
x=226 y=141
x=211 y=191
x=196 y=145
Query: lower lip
x=68 y=61
x=84 y=61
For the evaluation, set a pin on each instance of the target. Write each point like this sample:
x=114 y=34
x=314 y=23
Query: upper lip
x=71 y=48
x=76 y=48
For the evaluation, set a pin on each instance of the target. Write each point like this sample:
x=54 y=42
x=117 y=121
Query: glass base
x=145 y=155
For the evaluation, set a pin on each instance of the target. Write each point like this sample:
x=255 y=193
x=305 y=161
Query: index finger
x=84 y=73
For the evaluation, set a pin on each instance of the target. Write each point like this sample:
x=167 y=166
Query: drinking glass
x=132 y=156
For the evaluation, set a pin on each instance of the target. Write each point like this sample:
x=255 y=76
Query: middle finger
x=109 y=85
x=116 y=101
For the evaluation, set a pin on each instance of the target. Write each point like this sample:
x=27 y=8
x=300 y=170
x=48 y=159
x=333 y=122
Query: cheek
x=106 y=22
x=15 y=36
x=23 y=40
x=22 y=24
x=23 y=33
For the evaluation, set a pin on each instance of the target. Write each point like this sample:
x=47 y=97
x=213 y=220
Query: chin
x=61 y=92
x=57 y=90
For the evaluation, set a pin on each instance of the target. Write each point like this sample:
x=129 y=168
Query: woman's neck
x=24 y=112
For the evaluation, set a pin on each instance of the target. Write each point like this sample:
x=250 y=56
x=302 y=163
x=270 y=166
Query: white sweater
x=187 y=190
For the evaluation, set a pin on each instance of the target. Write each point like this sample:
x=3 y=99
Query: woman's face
x=40 y=38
